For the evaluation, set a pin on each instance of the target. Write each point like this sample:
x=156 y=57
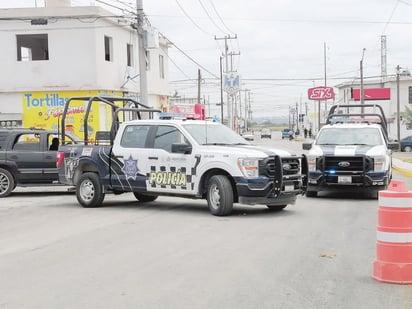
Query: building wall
x=389 y=106
x=76 y=56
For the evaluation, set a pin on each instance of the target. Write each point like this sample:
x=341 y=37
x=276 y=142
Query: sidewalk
x=400 y=164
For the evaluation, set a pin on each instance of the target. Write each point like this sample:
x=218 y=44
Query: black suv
x=28 y=158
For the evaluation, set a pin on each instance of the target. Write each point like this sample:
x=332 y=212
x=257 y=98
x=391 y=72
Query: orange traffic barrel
x=393 y=262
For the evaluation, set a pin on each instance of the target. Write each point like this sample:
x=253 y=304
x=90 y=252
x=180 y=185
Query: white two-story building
x=51 y=53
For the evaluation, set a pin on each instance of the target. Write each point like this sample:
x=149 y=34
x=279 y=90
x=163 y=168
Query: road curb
x=402 y=171
x=405 y=168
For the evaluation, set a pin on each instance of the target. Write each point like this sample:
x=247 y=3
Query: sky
x=285 y=46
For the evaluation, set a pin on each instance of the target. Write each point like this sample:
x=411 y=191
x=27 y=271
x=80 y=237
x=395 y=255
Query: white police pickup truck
x=351 y=152
x=184 y=158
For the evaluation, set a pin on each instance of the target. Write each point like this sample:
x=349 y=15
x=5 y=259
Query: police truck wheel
x=220 y=195
x=6 y=182
x=276 y=207
x=407 y=149
x=144 y=197
x=311 y=193
x=89 y=191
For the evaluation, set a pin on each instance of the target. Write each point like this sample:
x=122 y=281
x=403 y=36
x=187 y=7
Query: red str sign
x=321 y=93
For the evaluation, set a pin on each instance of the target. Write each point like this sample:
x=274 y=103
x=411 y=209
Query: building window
x=108 y=48
x=410 y=95
x=129 y=55
x=161 y=67
x=147 y=56
x=32 y=47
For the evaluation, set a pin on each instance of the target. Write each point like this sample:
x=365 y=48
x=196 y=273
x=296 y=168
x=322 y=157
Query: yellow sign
x=43 y=110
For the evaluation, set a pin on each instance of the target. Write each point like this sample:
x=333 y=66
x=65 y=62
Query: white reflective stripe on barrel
x=394 y=237
x=402 y=202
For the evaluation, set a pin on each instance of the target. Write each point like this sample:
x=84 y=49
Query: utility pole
x=142 y=53
x=225 y=54
x=383 y=58
x=199 y=81
x=325 y=84
x=362 y=97
x=221 y=91
x=297 y=117
x=246 y=109
x=234 y=97
x=398 y=109
x=231 y=54
x=324 y=69
x=324 y=60
x=240 y=108
x=290 y=112
x=249 y=111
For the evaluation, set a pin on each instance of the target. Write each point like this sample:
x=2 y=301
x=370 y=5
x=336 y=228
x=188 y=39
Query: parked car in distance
x=406 y=144
x=248 y=135
x=285 y=133
x=266 y=133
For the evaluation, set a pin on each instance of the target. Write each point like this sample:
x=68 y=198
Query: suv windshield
x=349 y=136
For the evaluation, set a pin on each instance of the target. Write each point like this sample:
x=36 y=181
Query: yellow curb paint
x=403 y=171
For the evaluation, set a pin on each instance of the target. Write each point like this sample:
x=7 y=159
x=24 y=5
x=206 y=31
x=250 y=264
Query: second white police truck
x=351 y=152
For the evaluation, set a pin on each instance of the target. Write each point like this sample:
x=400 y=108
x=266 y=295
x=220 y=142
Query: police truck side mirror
x=181 y=148
x=306 y=146
x=393 y=145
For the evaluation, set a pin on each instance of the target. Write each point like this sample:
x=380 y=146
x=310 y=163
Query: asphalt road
x=172 y=253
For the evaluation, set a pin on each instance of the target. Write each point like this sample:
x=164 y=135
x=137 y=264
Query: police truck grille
x=288 y=166
x=267 y=167
x=345 y=164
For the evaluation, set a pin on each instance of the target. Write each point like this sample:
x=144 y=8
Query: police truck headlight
x=249 y=167
x=311 y=163
x=379 y=164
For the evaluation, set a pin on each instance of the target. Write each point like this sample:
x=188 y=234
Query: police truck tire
x=6 y=182
x=219 y=195
x=144 y=197
x=276 y=207
x=89 y=191
x=311 y=193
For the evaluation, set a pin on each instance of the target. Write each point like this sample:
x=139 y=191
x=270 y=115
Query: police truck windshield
x=214 y=134
x=350 y=136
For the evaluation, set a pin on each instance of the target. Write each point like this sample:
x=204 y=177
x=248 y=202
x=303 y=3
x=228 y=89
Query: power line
x=167 y=54
x=208 y=15
x=189 y=57
x=313 y=21
x=116 y=7
x=193 y=60
x=390 y=17
x=405 y=2
x=191 y=19
x=218 y=15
